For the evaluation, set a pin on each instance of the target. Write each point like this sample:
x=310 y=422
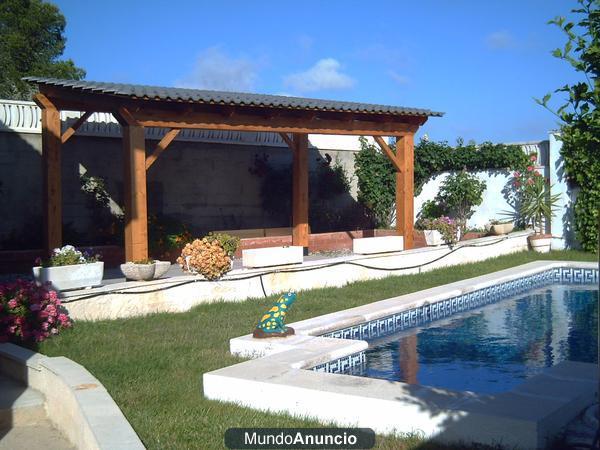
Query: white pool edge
x=527 y=416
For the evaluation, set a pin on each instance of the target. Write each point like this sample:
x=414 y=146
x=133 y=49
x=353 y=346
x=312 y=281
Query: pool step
x=19 y=404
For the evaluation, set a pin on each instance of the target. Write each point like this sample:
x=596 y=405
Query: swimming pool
x=493 y=348
x=308 y=374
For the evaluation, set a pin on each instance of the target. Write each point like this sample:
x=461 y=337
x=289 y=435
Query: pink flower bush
x=29 y=313
x=533 y=157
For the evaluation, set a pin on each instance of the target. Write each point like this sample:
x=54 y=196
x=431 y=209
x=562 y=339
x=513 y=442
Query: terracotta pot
x=540 y=243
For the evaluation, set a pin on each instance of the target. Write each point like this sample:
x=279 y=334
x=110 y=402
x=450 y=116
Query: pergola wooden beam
x=73 y=128
x=286 y=138
x=300 y=191
x=162 y=146
x=51 y=173
x=242 y=122
x=388 y=152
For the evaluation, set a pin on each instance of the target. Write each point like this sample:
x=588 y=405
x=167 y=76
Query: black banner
x=299 y=438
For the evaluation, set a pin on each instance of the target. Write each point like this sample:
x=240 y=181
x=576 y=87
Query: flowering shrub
x=205 y=256
x=447 y=227
x=29 y=313
x=535 y=202
x=228 y=242
x=66 y=256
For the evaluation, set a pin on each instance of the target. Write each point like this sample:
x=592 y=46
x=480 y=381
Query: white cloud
x=325 y=74
x=500 y=40
x=400 y=79
x=216 y=70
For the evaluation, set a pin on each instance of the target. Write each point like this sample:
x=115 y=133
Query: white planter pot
x=433 y=237
x=161 y=267
x=75 y=276
x=540 y=245
x=503 y=228
x=138 y=272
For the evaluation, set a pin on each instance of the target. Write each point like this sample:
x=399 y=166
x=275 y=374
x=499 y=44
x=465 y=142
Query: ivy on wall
x=432 y=158
x=376 y=174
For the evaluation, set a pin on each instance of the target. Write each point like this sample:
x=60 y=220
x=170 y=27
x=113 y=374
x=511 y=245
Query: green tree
x=580 y=127
x=31 y=42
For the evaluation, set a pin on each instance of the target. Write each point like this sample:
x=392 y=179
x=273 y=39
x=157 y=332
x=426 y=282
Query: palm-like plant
x=538 y=204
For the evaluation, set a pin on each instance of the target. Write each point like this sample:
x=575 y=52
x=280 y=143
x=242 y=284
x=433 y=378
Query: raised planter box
x=272 y=256
x=383 y=244
x=75 y=276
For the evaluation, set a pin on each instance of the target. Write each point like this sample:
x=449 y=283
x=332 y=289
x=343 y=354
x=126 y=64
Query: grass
x=153 y=366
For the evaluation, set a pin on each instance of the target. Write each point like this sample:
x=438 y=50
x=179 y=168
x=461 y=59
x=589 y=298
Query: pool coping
x=275 y=380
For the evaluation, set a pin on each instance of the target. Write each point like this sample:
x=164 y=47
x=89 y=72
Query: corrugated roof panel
x=229 y=98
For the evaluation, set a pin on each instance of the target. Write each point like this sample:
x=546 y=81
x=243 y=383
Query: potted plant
x=205 y=257
x=441 y=230
x=69 y=268
x=229 y=243
x=536 y=205
x=141 y=270
x=499 y=227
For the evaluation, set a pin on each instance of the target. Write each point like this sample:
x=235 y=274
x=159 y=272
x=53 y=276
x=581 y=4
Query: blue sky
x=479 y=61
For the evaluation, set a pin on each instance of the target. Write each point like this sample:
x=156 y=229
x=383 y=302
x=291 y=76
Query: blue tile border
x=342 y=365
x=447 y=307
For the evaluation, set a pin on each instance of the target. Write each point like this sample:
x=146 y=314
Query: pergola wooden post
x=300 y=191
x=405 y=195
x=51 y=173
x=403 y=162
x=134 y=187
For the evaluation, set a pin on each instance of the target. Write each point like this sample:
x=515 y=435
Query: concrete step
x=19 y=404
x=31 y=437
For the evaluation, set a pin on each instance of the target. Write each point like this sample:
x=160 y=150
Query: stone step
x=19 y=404
x=30 y=437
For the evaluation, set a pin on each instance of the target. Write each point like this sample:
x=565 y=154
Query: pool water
x=493 y=348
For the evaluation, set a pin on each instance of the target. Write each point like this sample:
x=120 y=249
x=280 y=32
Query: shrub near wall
x=375 y=173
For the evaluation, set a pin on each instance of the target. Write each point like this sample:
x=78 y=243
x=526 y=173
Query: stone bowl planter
x=540 y=243
x=138 y=272
x=161 y=268
x=502 y=228
x=74 y=276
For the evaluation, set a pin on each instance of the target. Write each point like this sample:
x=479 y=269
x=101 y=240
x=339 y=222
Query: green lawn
x=153 y=366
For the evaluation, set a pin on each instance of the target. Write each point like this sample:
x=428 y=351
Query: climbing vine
x=580 y=130
x=376 y=176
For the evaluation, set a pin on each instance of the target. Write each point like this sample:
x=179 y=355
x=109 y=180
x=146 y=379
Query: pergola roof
x=206 y=97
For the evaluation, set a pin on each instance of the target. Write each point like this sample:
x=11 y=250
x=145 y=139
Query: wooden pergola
x=136 y=107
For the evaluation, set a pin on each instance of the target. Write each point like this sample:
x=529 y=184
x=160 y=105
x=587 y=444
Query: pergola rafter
x=137 y=107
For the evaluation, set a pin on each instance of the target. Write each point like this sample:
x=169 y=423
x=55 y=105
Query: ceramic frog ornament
x=272 y=323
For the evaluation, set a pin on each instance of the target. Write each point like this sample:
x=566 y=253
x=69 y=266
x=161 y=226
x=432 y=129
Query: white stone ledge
x=76 y=403
x=179 y=294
